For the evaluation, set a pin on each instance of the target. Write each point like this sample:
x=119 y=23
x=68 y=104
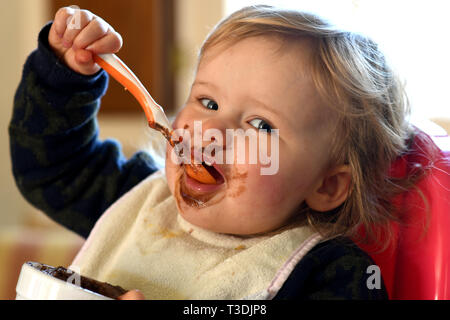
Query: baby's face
x=254 y=84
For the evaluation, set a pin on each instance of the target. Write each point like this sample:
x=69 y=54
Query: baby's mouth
x=196 y=193
x=213 y=170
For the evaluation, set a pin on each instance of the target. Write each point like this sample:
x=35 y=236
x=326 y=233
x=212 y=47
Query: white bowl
x=34 y=284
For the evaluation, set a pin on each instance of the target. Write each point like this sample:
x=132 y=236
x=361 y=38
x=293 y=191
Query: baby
x=321 y=101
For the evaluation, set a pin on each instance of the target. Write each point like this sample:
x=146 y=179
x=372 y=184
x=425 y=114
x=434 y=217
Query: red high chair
x=417 y=264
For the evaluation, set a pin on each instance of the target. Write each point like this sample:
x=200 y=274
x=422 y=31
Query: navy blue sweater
x=62 y=168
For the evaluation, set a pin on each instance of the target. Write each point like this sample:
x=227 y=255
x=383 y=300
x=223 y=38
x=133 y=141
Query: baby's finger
x=85 y=62
x=61 y=18
x=95 y=30
x=132 y=295
x=110 y=43
x=76 y=23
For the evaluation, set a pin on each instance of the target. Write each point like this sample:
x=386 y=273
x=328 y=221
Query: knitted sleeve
x=59 y=164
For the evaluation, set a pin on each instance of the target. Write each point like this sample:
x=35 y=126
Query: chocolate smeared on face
x=237 y=183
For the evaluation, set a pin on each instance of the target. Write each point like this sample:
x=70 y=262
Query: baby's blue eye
x=261 y=125
x=210 y=104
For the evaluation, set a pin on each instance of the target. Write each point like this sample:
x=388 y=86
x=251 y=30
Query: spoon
x=154 y=113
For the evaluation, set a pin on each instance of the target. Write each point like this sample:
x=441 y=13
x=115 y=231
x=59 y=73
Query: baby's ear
x=332 y=190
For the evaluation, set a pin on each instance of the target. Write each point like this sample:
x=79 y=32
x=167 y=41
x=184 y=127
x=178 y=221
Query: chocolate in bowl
x=81 y=282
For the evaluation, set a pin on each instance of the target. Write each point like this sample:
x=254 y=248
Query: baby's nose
x=214 y=124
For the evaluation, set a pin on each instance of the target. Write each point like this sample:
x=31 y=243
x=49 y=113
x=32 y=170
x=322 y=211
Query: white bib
x=141 y=242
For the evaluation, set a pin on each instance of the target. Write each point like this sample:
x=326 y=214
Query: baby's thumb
x=132 y=295
x=85 y=62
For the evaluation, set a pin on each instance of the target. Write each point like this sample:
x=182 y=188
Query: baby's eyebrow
x=278 y=115
x=266 y=107
x=204 y=83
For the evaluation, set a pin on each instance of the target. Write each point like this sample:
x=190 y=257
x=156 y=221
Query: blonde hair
x=353 y=77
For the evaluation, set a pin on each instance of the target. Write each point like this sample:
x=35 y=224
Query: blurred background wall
x=20 y=21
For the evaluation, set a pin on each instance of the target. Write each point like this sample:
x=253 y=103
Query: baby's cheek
x=264 y=190
x=271 y=189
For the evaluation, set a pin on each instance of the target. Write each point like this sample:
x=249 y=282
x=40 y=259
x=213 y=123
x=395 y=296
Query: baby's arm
x=58 y=162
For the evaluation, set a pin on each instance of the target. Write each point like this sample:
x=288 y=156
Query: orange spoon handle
x=119 y=71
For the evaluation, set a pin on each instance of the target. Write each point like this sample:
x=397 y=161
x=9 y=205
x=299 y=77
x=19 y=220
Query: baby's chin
x=201 y=215
x=204 y=219
x=212 y=221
